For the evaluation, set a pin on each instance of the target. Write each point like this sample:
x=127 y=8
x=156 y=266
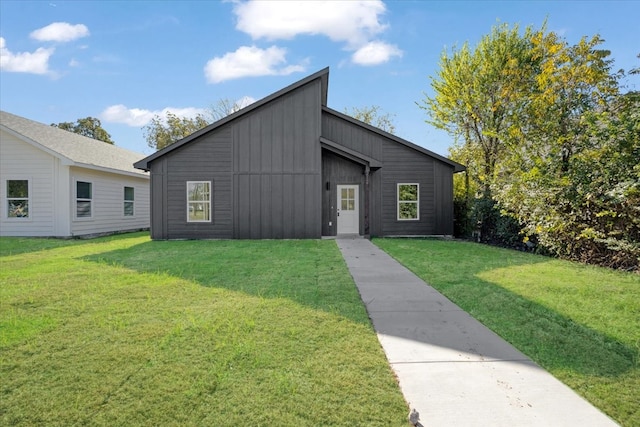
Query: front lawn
x=125 y=331
x=581 y=323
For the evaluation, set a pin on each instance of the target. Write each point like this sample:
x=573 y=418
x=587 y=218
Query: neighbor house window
x=408 y=201
x=18 y=198
x=128 y=201
x=199 y=201
x=84 y=195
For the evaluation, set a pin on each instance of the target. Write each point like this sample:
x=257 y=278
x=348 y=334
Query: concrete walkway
x=452 y=369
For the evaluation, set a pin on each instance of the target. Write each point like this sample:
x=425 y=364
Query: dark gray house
x=289 y=167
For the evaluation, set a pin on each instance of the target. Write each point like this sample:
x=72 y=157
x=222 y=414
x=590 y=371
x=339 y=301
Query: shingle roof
x=71 y=148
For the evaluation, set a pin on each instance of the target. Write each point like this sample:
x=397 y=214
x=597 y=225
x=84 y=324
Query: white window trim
x=5 y=204
x=76 y=199
x=417 y=202
x=189 y=202
x=124 y=201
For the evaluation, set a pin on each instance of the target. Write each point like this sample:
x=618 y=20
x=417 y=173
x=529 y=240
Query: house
x=57 y=183
x=288 y=166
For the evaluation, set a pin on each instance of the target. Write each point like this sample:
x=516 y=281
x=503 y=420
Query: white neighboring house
x=58 y=183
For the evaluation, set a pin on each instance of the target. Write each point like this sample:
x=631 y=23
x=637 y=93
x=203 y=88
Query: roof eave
x=457 y=167
x=349 y=153
x=322 y=74
x=110 y=170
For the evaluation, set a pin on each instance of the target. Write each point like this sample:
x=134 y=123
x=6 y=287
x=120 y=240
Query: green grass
x=581 y=323
x=126 y=331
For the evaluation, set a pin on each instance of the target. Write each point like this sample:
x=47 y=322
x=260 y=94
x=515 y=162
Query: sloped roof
x=72 y=149
x=322 y=74
x=457 y=167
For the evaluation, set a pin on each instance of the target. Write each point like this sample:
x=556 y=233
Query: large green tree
x=89 y=127
x=548 y=139
x=574 y=179
x=479 y=95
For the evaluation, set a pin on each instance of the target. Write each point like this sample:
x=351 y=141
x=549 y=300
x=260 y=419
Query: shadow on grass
x=312 y=273
x=309 y=272
x=10 y=246
x=552 y=339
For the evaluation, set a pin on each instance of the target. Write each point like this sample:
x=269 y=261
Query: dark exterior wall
x=375 y=214
x=351 y=136
x=205 y=159
x=337 y=170
x=404 y=165
x=401 y=164
x=443 y=196
x=265 y=171
x=365 y=142
x=277 y=170
x=158 y=219
x=269 y=174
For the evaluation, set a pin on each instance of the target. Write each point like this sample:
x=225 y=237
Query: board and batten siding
x=264 y=167
x=352 y=136
x=277 y=168
x=206 y=159
x=401 y=164
x=337 y=170
x=443 y=197
x=108 y=202
x=19 y=160
x=365 y=142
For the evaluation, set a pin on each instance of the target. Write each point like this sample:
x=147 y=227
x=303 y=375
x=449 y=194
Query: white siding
x=108 y=202
x=52 y=195
x=19 y=160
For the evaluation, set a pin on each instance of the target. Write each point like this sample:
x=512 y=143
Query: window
x=348 y=199
x=18 y=198
x=198 y=201
x=83 y=199
x=408 y=202
x=128 y=201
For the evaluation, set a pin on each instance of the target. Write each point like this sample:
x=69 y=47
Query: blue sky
x=125 y=61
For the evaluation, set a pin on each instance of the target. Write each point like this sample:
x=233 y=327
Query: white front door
x=348 y=215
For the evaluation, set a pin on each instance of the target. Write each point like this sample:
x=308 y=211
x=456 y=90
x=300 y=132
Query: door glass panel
x=347 y=199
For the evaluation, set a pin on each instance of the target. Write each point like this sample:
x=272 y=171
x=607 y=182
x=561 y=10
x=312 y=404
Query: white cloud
x=24 y=62
x=60 y=32
x=137 y=117
x=374 y=53
x=249 y=61
x=73 y=63
x=353 y=22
